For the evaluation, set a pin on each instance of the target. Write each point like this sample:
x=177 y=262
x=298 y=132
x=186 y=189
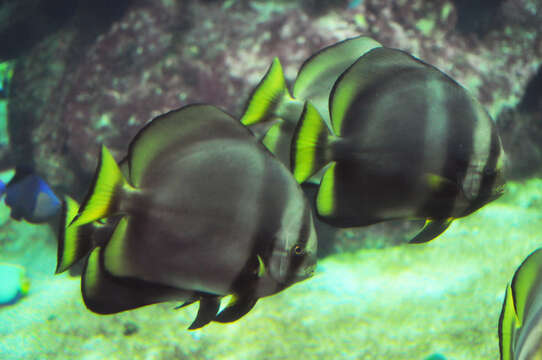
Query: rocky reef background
x=99 y=74
x=90 y=72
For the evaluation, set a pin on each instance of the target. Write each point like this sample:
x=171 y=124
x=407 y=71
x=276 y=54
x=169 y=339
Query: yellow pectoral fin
x=261 y=267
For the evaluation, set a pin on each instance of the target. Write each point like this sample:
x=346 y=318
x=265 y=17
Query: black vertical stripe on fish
x=264 y=239
x=376 y=150
x=459 y=119
x=490 y=174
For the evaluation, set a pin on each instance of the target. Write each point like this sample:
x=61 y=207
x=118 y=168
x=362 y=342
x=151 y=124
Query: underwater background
x=78 y=74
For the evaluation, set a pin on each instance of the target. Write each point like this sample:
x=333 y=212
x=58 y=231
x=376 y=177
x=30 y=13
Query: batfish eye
x=298 y=250
x=488 y=171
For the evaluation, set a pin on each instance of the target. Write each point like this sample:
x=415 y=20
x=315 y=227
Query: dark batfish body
x=409 y=142
x=394 y=152
x=206 y=200
x=206 y=212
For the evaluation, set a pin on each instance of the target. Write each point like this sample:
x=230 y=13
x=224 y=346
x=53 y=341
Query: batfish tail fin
x=104 y=195
x=310 y=144
x=74 y=242
x=270 y=99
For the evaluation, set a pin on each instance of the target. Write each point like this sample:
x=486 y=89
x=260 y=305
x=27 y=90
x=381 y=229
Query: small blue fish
x=30 y=197
x=13 y=283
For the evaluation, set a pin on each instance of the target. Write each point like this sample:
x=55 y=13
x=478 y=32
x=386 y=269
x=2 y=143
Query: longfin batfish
x=199 y=210
x=405 y=141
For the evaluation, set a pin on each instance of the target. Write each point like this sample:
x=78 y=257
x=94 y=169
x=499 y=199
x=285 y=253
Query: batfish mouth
x=309 y=271
x=499 y=191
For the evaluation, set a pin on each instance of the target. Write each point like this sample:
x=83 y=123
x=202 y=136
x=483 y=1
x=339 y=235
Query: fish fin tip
x=238 y=307
x=431 y=229
x=207 y=311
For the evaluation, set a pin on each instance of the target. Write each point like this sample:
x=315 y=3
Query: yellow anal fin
x=103 y=197
x=74 y=242
x=107 y=294
x=310 y=150
x=269 y=95
x=431 y=230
